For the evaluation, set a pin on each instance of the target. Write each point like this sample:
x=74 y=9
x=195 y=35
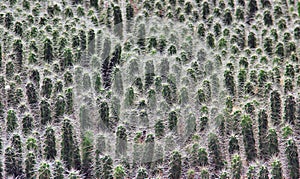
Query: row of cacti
x=225 y=70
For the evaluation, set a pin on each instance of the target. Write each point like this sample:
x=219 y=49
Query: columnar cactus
x=236 y=167
x=262 y=132
x=31 y=93
x=175 y=165
x=291 y=152
x=172 y=118
x=58 y=170
x=30 y=163
x=290 y=110
x=248 y=138
x=45 y=112
x=17 y=155
x=119 y=172
x=69 y=144
x=59 y=107
x=48 y=51
x=275 y=107
x=229 y=82
x=276 y=171
x=118 y=25
x=272 y=142
x=87 y=155
x=44 y=171
x=107 y=167
x=147 y=157
x=198 y=69
x=50 y=151
x=121 y=141
x=11 y=121
x=215 y=154
x=233 y=145
x=141 y=173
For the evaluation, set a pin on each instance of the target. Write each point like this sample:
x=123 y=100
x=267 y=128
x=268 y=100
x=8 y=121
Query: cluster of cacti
x=149 y=89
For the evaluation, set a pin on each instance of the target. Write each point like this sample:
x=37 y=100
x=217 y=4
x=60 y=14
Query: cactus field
x=158 y=89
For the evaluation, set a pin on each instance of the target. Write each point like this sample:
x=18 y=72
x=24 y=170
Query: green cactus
x=291 y=152
x=233 y=145
x=202 y=157
x=272 y=142
x=58 y=170
x=248 y=138
x=11 y=121
x=215 y=152
x=17 y=155
x=121 y=141
x=263 y=172
x=107 y=167
x=204 y=174
x=175 y=165
x=48 y=51
x=251 y=172
x=236 y=167
x=275 y=107
x=276 y=171
x=45 y=112
x=50 y=151
x=69 y=144
x=172 y=119
x=31 y=93
x=87 y=154
x=229 y=82
x=148 y=153
x=119 y=172
x=290 y=110
x=47 y=87
x=104 y=114
x=262 y=132
x=30 y=163
x=59 y=106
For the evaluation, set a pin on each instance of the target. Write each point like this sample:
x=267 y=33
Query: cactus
x=50 y=151
x=236 y=166
x=44 y=171
x=121 y=144
x=233 y=145
x=68 y=144
x=214 y=152
x=263 y=172
x=172 y=118
x=45 y=112
x=186 y=71
x=276 y=171
x=107 y=166
x=159 y=129
x=262 y=132
x=272 y=142
x=104 y=114
x=30 y=163
x=248 y=137
x=87 y=152
x=58 y=170
x=119 y=172
x=11 y=121
x=175 y=165
x=148 y=153
x=292 y=156
x=275 y=107
x=13 y=157
x=290 y=110
x=141 y=173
